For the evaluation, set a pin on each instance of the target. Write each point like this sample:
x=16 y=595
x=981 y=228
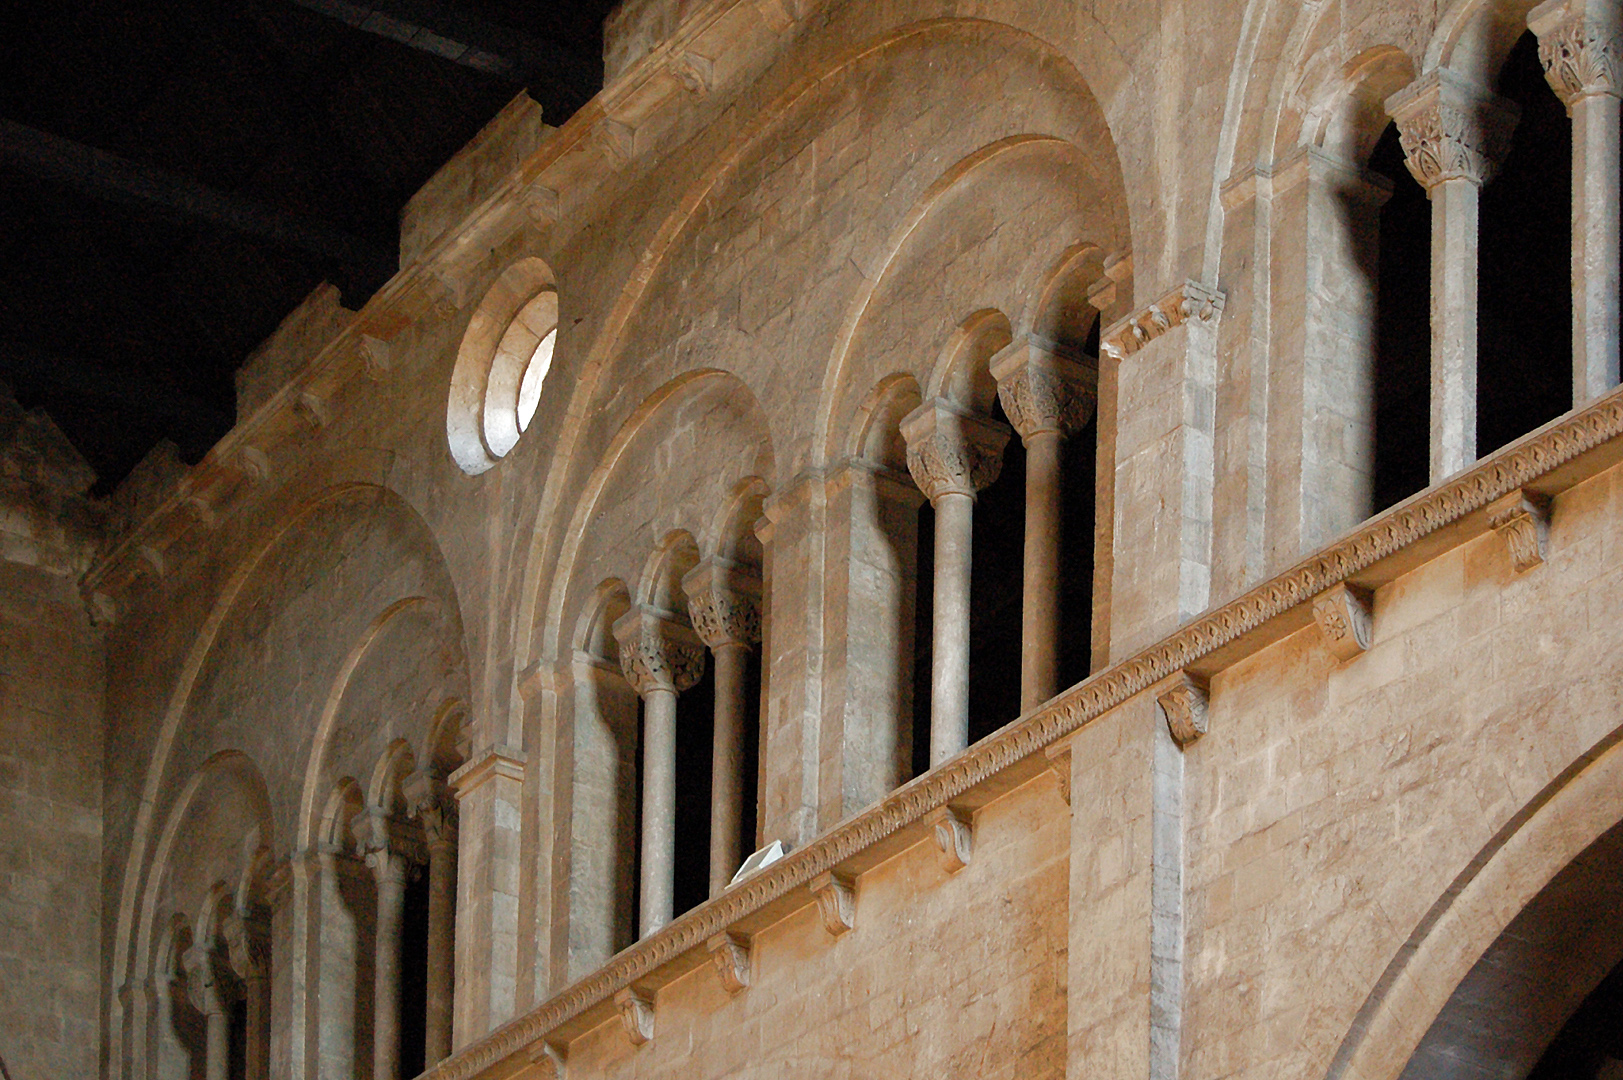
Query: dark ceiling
x=176 y=175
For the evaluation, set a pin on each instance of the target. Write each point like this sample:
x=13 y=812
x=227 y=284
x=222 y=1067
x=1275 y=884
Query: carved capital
x=730 y=953
x=950 y=451
x=1342 y=613
x=1580 y=45
x=954 y=835
x=837 y=901
x=637 y=1014
x=724 y=601
x=1191 y=300
x=1451 y=129
x=1522 y=518
x=1182 y=704
x=429 y=800
x=658 y=652
x=1042 y=391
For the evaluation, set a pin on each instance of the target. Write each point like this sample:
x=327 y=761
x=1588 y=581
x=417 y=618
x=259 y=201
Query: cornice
x=1534 y=462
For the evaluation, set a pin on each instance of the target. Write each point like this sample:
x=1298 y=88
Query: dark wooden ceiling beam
x=103 y=175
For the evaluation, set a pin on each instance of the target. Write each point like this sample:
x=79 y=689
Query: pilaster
x=489 y=795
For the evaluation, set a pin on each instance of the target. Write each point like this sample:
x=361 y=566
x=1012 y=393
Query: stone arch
x=731 y=532
x=1579 y=807
x=963 y=374
x=1061 y=312
x=1474 y=37
x=660 y=585
x=876 y=434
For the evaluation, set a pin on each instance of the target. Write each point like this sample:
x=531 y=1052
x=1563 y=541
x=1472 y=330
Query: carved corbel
x=658 y=651
x=314 y=409
x=954 y=836
x=636 y=1014
x=1342 y=613
x=697 y=73
x=549 y=1059
x=1522 y=518
x=781 y=14
x=377 y=358
x=619 y=137
x=730 y=953
x=1059 y=763
x=951 y=451
x=1182 y=706
x=541 y=204
x=836 y=900
x=253 y=463
x=1191 y=300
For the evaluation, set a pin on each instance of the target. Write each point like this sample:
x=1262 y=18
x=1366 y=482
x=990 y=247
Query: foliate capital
x=950 y=451
x=658 y=651
x=430 y=801
x=724 y=602
x=1580 y=45
x=1043 y=391
x=1451 y=129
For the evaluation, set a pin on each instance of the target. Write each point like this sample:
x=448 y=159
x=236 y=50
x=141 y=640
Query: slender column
x=952 y=456
x=725 y=605
x=247 y=947
x=1580 y=44
x=1047 y=397
x=433 y=804
x=389 y=868
x=203 y=986
x=1454 y=134
x=661 y=657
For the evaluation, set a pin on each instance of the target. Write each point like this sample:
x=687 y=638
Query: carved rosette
x=1451 y=129
x=1182 y=705
x=1191 y=300
x=1581 y=52
x=1042 y=391
x=1342 y=613
x=657 y=652
x=724 y=602
x=950 y=451
x=1522 y=518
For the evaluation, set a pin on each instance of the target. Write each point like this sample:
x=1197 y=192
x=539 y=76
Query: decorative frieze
x=1342 y=613
x=1191 y=300
x=1182 y=705
x=1451 y=129
x=952 y=451
x=955 y=836
x=730 y=953
x=1044 y=391
x=1522 y=519
x=836 y=895
x=1580 y=46
x=724 y=602
x=636 y=1014
x=657 y=652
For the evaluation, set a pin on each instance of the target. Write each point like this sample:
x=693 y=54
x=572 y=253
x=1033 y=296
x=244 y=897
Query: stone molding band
x=1517 y=466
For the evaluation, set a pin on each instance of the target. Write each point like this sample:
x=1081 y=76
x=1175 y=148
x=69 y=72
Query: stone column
x=1047 y=398
x=952 y=456
x=724 y=601
x=1454 y=134
x=203 y=986
x=1580 y=44
x=389 y=868
x=661 y=656
x=433 y=805
x=247 y=947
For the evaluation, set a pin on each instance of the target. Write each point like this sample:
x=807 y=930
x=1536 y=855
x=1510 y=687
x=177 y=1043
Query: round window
x=501 y=368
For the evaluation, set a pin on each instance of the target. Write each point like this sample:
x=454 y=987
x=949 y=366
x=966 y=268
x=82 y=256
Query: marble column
x=1047 y=397
x=432 y=803
x=389 y=869
x=1580 y=44
x=724 y=601
x=661 y=657
x=208 y=997
x=952 y=455
x=1454 y=134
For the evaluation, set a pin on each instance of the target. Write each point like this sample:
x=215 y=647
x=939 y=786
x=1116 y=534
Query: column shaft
x=949 y=675
x=218 y=1047
x=1039 y=605
x=1454 y=227
x=441 y=949
x=727 y=764
x=257 y=1052
x=391 y=877
x=658 y=808
x=1594 y=246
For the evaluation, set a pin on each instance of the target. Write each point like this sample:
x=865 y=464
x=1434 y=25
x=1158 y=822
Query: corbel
x=697 y=73
x=1342 y=613
x=377 y=357
x=1059 y=763
x=253 y=462
x=730 y=953
x=549 y=1059
x=837 y=901
x=619 y=137
x=1522 y=519
x=102 y=607
x=1182 y=704
x=781 y=14
x=153 y=556
x=954 y=835
x=636 y=1014
x=314 y=409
